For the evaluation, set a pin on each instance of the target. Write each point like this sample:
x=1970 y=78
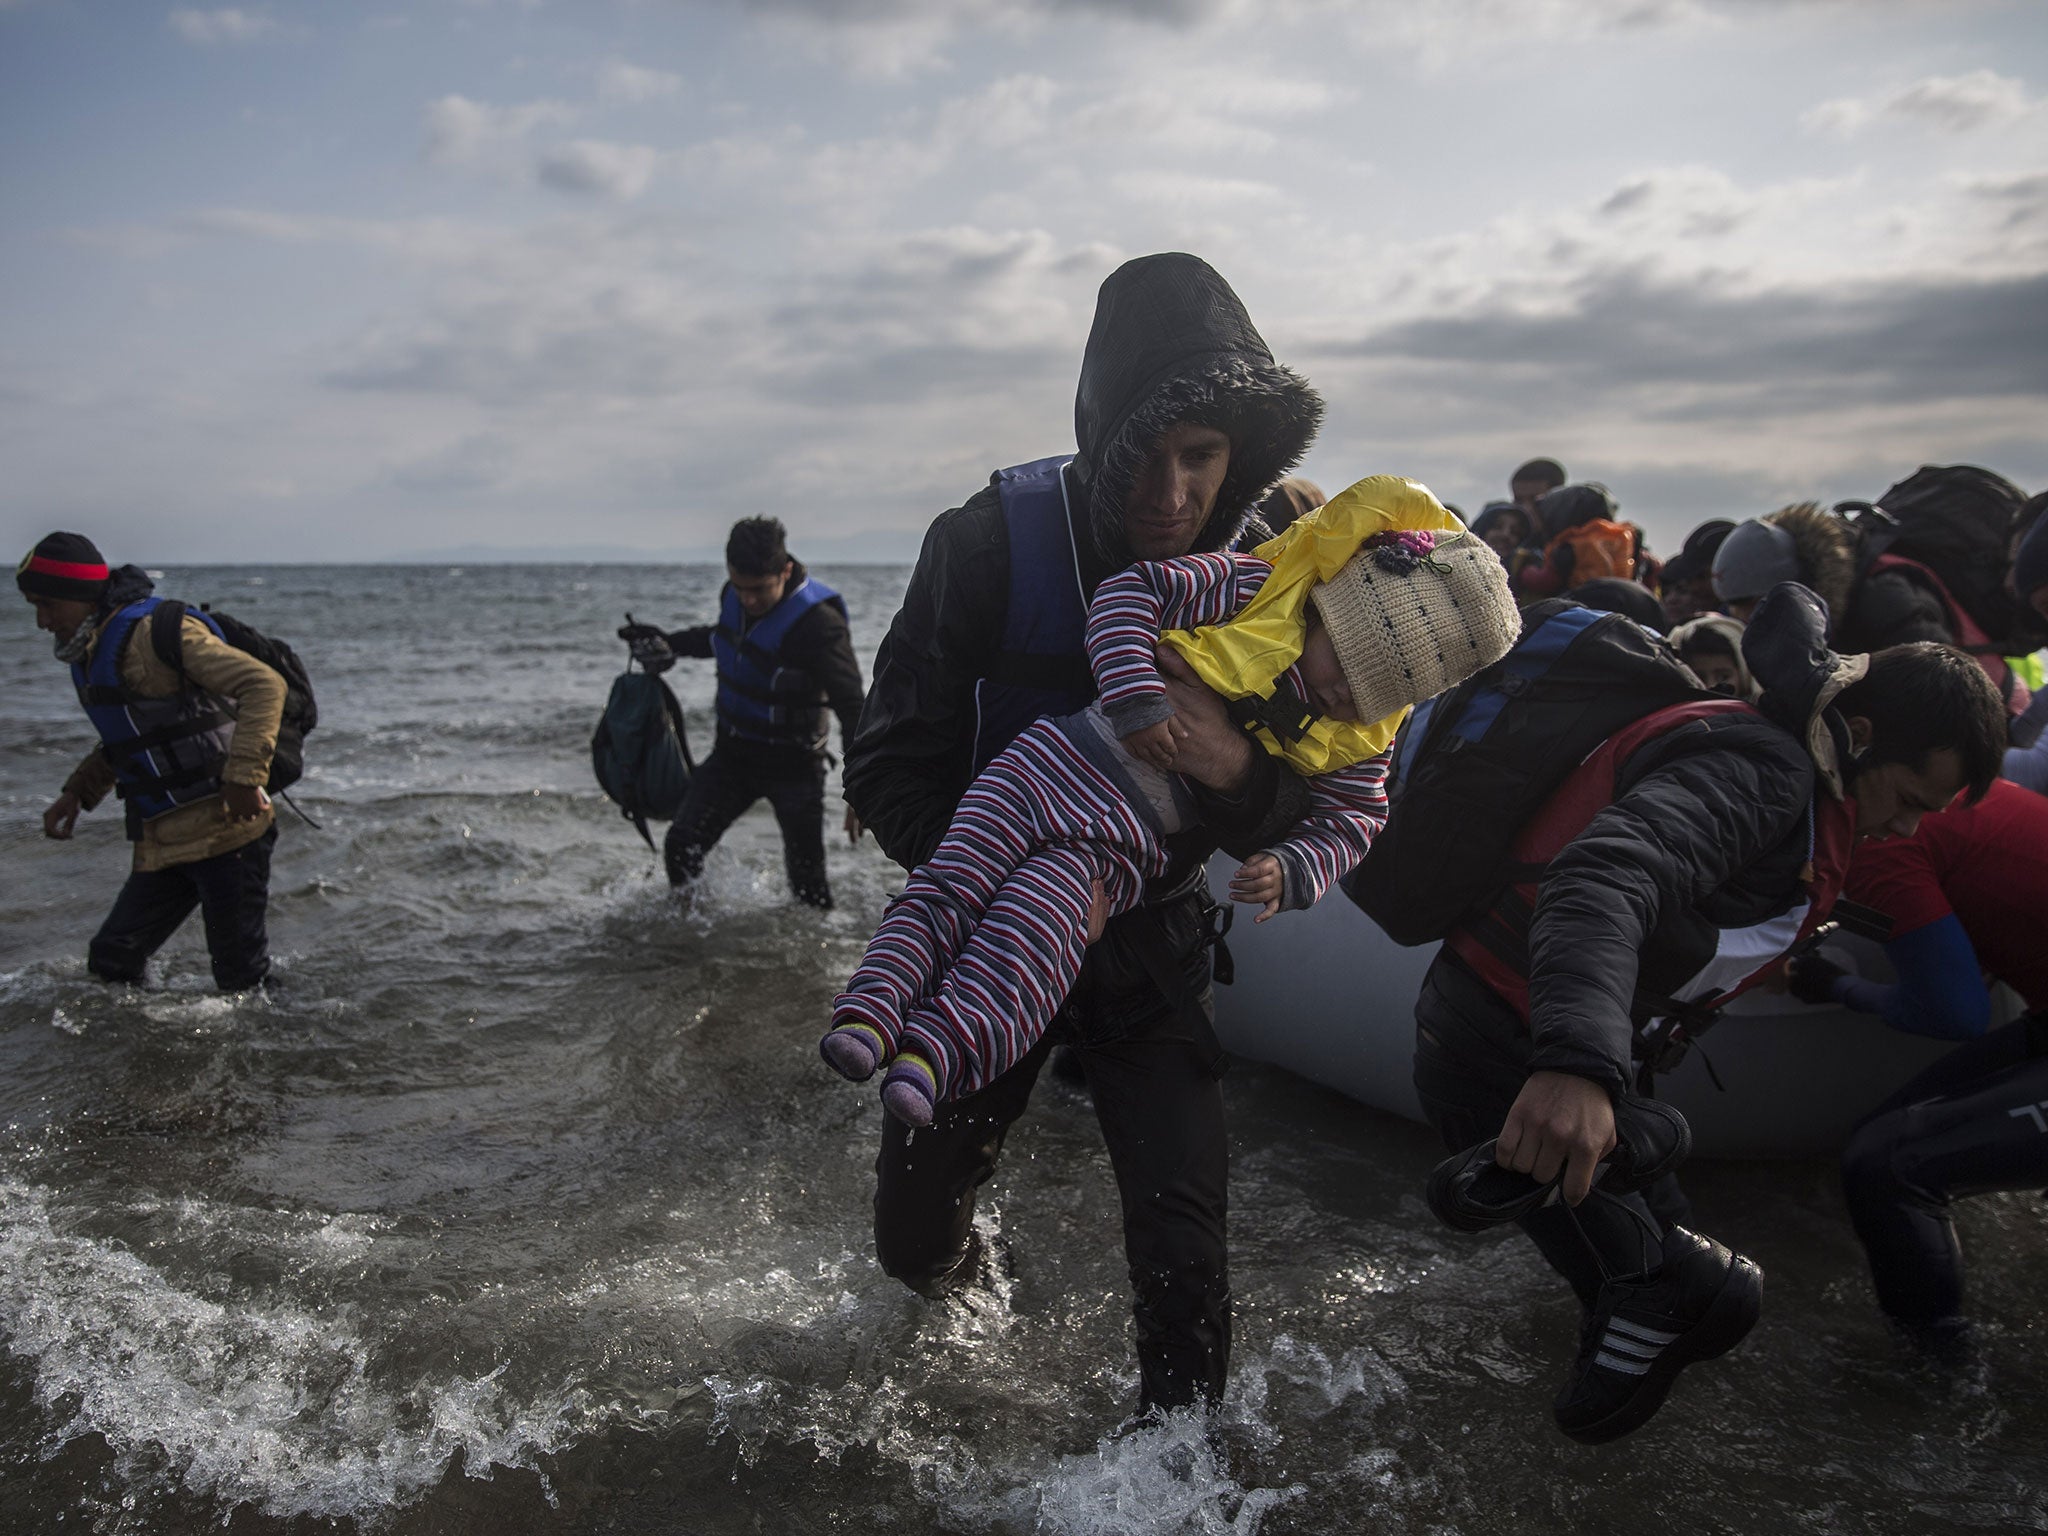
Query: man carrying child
x=1182 y=420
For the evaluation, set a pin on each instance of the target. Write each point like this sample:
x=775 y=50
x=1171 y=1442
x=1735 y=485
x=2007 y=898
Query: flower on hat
x=1401 y=550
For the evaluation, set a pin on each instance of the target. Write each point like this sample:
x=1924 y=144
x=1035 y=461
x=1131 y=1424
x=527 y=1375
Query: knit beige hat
x=1412 y=614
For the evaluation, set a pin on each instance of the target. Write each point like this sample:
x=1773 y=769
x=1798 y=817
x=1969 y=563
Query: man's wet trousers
x=1974 y=1122
x=1160 y=1107
x=727 y=783
x=1471 y=1060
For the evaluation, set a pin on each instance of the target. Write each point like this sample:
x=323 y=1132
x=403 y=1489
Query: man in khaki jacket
x=187 y=747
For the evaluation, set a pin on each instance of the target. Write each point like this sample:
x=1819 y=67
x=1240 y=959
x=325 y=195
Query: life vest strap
x=119 y=752
x=145 y=783
x=766 y=660
x=1284 y=714
x=803 y=693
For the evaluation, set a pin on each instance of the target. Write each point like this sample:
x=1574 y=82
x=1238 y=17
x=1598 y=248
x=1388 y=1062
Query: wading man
x=1182 y=421
x=185 y=741
x=784 y=656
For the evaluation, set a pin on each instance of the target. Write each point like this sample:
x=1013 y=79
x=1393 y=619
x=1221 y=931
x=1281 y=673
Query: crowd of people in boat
x=1616 y=790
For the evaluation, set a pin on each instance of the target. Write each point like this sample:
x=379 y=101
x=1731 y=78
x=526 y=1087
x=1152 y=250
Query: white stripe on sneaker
x=1626 y=1367
x=1629 y=1347
x=1655 y=1336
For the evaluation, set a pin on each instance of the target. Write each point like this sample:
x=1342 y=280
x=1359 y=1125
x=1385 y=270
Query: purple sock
x=911 y=1090
x=853 y=1051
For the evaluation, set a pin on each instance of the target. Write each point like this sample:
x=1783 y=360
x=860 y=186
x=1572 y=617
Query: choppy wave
x=271 y=1406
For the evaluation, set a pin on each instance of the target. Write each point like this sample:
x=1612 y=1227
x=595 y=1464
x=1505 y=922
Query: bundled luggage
x=301 y=712
x=1494 y=749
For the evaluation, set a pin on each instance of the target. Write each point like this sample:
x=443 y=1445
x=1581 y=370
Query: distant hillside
x=891 y=547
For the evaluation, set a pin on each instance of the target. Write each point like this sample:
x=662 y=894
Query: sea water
x=521 y=1202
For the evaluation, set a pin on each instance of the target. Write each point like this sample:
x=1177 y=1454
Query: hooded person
x=1506 y=527
x=1868 y=609
x=1182 y=422
x=1801 y=543
x=1712 y=646
x=188 y=724
x=1876 y=595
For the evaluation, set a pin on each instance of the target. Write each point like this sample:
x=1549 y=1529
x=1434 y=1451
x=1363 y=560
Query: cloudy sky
x=302 y=281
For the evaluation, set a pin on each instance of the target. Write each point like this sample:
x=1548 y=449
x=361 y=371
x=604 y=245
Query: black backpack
x=1956 y=520
x=301 y=713
x=1494 y=748
x=640 y=752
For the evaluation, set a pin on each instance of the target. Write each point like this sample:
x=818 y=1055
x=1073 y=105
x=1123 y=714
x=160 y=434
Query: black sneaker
x=1645 y=1331
x=1471 y=1192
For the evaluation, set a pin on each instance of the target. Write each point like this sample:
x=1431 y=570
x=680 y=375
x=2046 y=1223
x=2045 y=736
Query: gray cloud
x=1719 y=353
x=2024 y=199
x=1951 y=103
x=593 y=166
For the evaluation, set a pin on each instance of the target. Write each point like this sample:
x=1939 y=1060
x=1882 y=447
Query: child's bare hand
x=1258 y=881
x=1098 y=911
x=1154 y=744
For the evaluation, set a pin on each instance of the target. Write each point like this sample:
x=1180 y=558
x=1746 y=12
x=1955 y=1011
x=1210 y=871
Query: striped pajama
x=975 y=957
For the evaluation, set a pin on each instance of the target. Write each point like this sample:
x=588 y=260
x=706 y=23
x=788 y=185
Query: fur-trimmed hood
x=1827 y=552
x=1171 y=342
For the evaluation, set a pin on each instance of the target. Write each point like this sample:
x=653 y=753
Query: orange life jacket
x=1599 y=548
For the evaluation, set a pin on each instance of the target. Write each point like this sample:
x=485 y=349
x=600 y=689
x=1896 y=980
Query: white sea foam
x=265 y=1404
x=1164 y=1480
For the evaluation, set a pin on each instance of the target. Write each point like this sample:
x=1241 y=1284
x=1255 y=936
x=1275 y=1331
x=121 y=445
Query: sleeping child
x=1319 y=642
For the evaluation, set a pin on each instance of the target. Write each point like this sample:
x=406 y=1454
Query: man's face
x=1172 y=497
x=1891 y=798
x=758 y=594
x=1527 y=493
x=61 y=616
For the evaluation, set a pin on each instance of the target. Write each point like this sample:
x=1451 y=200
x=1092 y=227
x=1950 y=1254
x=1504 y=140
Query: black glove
x=1811 y=978
x=634 y=634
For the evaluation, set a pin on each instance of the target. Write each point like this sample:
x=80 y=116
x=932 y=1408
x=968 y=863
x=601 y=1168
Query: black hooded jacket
x=1170 y=343
x=1707 y=831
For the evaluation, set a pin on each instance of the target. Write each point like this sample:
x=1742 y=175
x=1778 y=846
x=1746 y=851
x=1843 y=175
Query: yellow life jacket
x=1244 y=656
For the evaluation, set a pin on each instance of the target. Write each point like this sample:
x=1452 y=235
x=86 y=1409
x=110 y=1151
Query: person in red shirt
x=1967 y=894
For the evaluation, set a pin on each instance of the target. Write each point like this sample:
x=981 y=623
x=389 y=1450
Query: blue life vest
x=760 y=698
x=1042 y=666
x=165 y=752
